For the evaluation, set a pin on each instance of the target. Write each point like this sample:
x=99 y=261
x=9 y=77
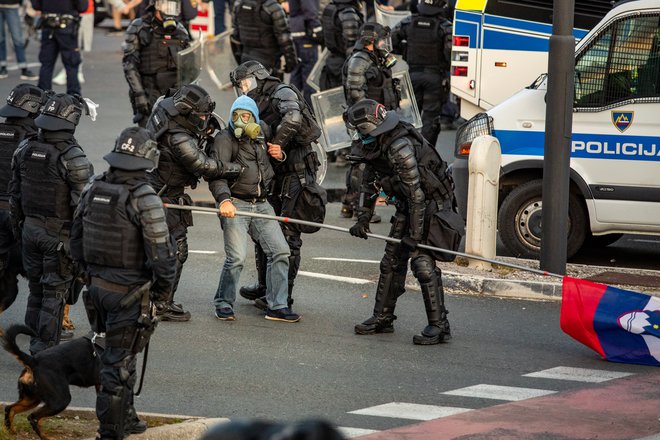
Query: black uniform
x=408 y=169
x=341 y=22
x=306 y=33
x=367 y=74
x=262 y=30
x=150 y=61
x=23 y=105
x=49 y=173
x=182 y=163
x=59 y=34
x=425 y=41
x=283 y=109
x=119 y=235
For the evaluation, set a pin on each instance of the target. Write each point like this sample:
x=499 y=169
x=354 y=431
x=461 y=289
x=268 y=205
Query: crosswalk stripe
x=413 y=411
x=334 y=277
x=347 y=260
x=578 y=374
x=354 y=432
x=499 y=392
x=202 y=252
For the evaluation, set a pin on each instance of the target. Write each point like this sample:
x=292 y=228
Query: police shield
x=314 y=78
x=189 y=64
x=389 y=18
x=329 y=107
x=219 y=59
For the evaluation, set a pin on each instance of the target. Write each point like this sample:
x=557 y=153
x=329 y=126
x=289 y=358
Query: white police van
x=615 y=151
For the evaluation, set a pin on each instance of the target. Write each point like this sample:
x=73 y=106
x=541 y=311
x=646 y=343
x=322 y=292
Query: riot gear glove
x=142 y=105
x=290 y=63
x=361 y=228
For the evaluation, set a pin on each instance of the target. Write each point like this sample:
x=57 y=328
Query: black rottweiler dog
x=47 y=376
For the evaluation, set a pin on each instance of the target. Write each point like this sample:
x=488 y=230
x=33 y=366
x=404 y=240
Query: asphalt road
x=318 y=367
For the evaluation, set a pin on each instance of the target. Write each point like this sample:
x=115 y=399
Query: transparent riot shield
x=322 y=156
x=219 y=59
x=314 y=78
x=388 y=17
x=329 y=107
x=189 y=64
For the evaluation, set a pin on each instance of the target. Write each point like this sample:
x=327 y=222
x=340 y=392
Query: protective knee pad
x=424 y=269
x=294 y=265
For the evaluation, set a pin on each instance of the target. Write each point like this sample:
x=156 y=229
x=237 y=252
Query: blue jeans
x=13 y=20
x=269 y=235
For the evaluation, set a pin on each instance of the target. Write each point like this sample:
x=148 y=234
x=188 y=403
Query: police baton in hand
x=369 y=234
x=135 y=295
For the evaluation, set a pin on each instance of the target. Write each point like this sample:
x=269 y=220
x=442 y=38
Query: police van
x=615 y=147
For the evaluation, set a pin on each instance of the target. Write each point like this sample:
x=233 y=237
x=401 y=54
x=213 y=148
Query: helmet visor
x=169 y=7
x=246 y=85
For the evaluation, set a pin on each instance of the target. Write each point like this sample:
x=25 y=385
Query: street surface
x=501 y=351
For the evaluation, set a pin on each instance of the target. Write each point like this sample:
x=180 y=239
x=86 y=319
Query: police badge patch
x=622 y=120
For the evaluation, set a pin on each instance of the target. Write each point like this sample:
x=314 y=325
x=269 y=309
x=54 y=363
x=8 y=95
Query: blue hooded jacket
x=244 y=102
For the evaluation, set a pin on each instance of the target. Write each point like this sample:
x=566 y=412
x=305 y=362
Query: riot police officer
x=408 y=169
x=261 y=33
x=425 y=39
x=23 y=105
x=120 y=236
x=49 y=173
x=150 y=47
x=341 y=22
x=283 y=109
x=368 y=74
x=59 y=34
x=178 y=122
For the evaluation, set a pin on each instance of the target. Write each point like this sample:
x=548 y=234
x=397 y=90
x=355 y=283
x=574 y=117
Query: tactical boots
x=253 y=291
x=434 y=333
x=170 y=311
x=381 y=323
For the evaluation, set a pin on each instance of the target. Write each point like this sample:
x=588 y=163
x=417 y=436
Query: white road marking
x=642 y=240
x=354 y=432
x=348 y=260
x=578 y=374
x=334 y=277
x=499 y=392
x=202 y=252
x=413 y=411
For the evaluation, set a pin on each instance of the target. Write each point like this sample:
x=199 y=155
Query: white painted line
x=485 y=391
x=348 y=260
x=651 y=437
x=334 y=277
x=203 y=252
x=354 y=432
x=642 y=240
x=412 y=411
x=578 y=374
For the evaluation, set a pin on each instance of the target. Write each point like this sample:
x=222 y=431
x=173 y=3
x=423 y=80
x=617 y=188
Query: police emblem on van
x=622 y=120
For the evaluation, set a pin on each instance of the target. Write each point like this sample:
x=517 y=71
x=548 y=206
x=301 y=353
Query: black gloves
x=360 y=229
x=408 y=243
x=290 y=63
x=142 y=105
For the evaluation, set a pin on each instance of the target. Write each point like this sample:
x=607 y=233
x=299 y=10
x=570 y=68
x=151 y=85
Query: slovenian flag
x=620 y=325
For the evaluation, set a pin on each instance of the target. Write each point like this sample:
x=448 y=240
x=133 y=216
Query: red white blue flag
x=620 y=325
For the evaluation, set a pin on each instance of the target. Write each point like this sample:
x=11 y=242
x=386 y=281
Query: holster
x=146 y=324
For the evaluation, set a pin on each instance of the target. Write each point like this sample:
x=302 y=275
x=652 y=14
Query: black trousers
x=64 y=42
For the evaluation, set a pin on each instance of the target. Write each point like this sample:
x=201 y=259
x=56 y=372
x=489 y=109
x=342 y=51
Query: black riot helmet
x=431 y=7
x=134 y=150
x=249 y=77
x=24 y=100
x=61 y=112
x=194 y=106
x=370 y=118
x=372 y=32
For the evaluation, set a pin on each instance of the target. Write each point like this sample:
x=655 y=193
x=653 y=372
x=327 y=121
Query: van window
x=621 y=64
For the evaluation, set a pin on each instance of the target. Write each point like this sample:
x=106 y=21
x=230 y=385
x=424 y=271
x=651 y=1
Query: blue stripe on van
x=584 y=145
x=506 y=41
x=470 y=29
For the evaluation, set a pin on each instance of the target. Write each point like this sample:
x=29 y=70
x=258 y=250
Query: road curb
x=189 y=429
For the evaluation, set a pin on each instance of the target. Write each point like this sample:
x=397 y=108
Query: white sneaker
x=60 y=78
x=81 y=78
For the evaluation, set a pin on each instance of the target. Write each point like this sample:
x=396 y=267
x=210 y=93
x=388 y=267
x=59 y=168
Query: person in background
x=85 y=38
x=306 y=33
x=9 y=15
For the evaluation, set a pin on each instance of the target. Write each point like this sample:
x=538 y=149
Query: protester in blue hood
x=244 y=142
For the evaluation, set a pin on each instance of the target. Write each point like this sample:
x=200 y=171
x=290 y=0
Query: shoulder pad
x=73 y=152
x=180 y=137
x=285 y=93
x=143 y=189
x=400 y=143
x=134 y=27
x=147 y=201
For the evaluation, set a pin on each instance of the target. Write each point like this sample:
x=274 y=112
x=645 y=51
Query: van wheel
x=519 y=221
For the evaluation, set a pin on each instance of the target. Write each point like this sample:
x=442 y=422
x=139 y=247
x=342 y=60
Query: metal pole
x=346 y=230
x=558 y=129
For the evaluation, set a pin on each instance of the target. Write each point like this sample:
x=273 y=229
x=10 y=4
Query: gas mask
x=387 y=58
x=169 y=11
x=244 y=124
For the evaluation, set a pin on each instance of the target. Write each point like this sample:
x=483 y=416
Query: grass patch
x=70 y=425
